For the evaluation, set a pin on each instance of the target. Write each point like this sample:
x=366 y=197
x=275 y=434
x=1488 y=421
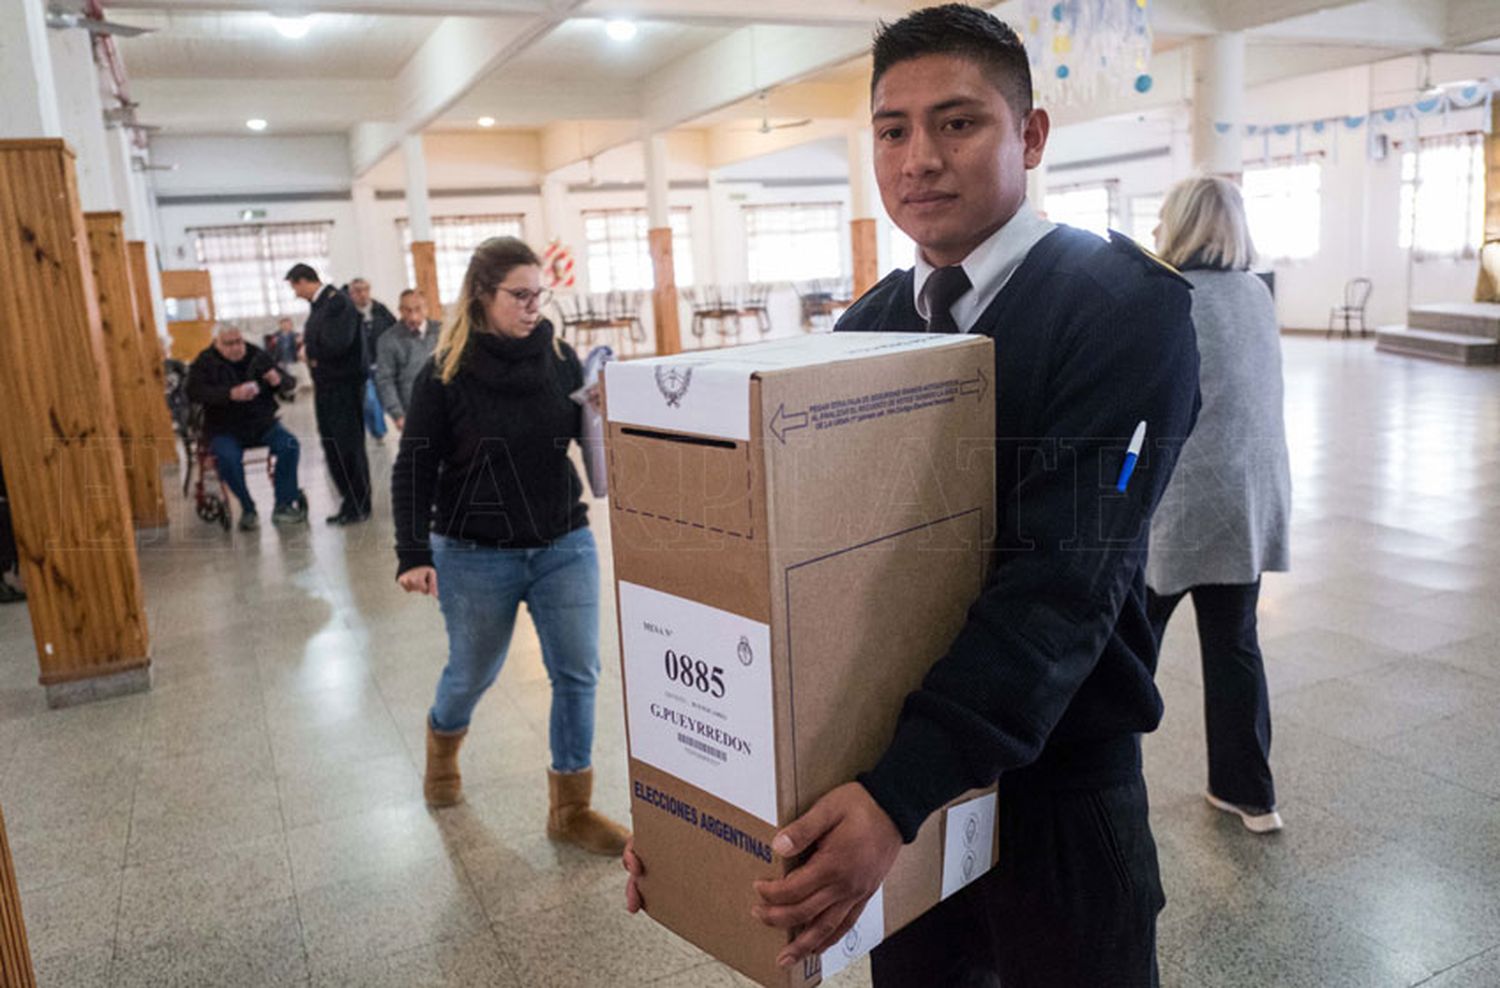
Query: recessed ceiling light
x=255 y=123
x=291 y=27
x=486 y=121
x=620 y=30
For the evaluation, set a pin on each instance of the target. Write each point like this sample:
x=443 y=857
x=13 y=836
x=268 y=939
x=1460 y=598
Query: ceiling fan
x=766 y=126
x=61 y=19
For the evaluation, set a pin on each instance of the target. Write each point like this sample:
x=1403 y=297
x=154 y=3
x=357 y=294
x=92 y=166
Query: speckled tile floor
x=256 y=819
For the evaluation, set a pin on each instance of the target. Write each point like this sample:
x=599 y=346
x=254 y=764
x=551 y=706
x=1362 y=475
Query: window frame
x=452 y=258
x=755 y=268
x=683 y=269
x=1160 y=199
x=1409 y=210
x=1111 y=189
x=270 y=262
x=1264 y=254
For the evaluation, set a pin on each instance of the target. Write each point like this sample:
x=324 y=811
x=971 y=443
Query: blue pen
x=1132 y=453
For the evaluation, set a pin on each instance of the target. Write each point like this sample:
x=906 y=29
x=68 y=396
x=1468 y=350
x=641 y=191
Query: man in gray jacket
x=402 y=351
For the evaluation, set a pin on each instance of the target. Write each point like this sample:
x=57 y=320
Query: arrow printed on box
x=783 y=422
x=978 y=385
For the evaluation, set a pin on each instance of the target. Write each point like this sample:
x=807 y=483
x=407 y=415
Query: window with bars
x=794 y=241
x=1442 y=196
x=454 y=239
x=1145 y=214
x=247 y=263
x=1284 y=208
x=617 y=249
x=1088 y=206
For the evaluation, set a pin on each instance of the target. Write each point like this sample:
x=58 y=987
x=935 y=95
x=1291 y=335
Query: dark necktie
x=943 y=288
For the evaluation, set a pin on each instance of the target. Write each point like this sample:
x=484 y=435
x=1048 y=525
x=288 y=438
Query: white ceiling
x=387 y=65
x=577 y=72
x=245 y=45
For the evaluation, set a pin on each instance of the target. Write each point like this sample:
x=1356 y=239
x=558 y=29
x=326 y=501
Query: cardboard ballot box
x=799 y=528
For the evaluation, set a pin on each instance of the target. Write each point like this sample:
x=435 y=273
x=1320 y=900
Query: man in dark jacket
x=1049 y=686
x=237 y=384
x=333 y=342
x=374 y=320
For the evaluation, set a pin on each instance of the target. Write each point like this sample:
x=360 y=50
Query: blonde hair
x=1203 y=225
x=492 y=261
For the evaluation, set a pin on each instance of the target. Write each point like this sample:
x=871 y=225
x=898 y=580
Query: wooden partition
x=135 y=394
x=424 y=264
x=190 y=337
x=15 y=955
x=64 y=471
x=151 y=349
x=664 y=295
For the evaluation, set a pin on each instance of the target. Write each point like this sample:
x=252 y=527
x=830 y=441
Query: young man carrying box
x=1048 y=687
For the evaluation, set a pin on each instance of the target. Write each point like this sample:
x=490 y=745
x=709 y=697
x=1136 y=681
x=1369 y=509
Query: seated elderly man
x=237 y=384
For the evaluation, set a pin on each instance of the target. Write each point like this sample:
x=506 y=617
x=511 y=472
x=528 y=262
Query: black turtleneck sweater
x=485 y=456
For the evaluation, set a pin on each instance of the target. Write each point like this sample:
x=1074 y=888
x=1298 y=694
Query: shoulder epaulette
x=1125 y=245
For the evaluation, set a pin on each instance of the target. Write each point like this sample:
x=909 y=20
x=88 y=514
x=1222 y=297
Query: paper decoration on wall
x=1379 y=125
x=557 y=266
x=1088 y=49
x=1459 y=99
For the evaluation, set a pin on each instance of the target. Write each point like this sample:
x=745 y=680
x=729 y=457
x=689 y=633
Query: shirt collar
x=989 y=266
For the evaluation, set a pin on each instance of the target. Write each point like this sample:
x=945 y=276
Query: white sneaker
x=1255 y=821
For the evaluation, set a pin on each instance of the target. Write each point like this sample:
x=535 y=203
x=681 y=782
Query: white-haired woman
x=1224 y=518
x=489 y=514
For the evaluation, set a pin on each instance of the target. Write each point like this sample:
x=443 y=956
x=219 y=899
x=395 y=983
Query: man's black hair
x=302 y=272
x=958 y=29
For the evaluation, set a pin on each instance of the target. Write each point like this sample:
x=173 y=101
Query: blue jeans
x=229 y=457
x=374 y=410
x=480 y=589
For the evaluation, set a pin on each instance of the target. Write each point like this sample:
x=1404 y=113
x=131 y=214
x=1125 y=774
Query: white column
x=135 y=200
x=554 y=208
x=418 y=208
x=28 y=107
x=717 y=233
x=128 y=191
x=81 y=112
x=658 y=212
x=864 y=193
x=1036 y=187
x=362 y=199
x=1218 y=99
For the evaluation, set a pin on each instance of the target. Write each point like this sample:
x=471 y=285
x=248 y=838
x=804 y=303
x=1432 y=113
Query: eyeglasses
x=526 y=296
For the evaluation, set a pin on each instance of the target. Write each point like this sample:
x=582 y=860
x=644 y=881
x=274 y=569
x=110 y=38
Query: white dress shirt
x=989 y=266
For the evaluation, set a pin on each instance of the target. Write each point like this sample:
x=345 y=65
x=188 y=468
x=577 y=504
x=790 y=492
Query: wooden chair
x=716 y=304
x=614 y=313
x=1356 y=297
x=756 y=304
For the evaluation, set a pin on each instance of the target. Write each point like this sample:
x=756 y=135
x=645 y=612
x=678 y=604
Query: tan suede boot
x=570 y=819
x=442 y=785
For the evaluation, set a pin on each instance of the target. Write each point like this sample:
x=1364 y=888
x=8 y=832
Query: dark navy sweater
x=1054 y=668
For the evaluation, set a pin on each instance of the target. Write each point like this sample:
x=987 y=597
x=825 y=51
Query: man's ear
x=1034 y=131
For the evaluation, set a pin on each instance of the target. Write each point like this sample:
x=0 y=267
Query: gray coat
x=399 y=355
x=1225 y=516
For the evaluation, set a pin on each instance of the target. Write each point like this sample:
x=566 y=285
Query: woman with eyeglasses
x=489 y=514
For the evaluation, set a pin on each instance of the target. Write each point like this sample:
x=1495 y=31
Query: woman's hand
x=633 y=901
x=419 y=579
